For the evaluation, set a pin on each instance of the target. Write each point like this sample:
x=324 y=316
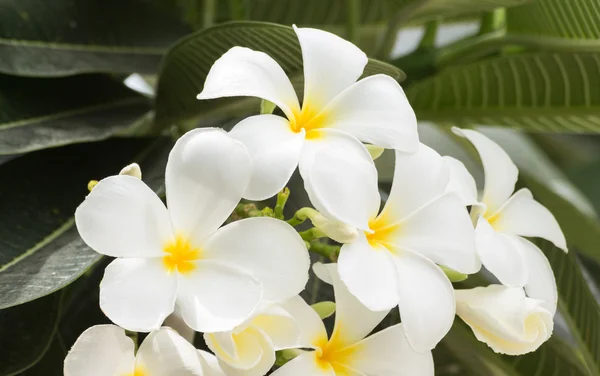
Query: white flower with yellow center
x=504 y=318
x=347 y=352
x=394 y=261
x=249 y=350
x=503 y=218
x=336 y=112
x=105 y=350
x=180 y=256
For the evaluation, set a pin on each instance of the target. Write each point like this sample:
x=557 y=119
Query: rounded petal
x=312 y=330
x=369 y=274
x=427 y=305
x=242 y=72
x=331 y=64
x=207 y=174
x=353 y=320
x=123 y=217
x=175 y=321
x=461 y=182
x=274 y=149
x=102 y=350
x=340 y=178
x=501 y=254
x=255 y=353
x=165 y=353
x=500 y=171
x=541 y=284
x=522 y=215
x=375 y=110
x=210 y=364
x=441 y=231
x=387 y=353
x=215 y=297
x=278 y=325
x=280 y=260
x=137 y=294
x=304 y=365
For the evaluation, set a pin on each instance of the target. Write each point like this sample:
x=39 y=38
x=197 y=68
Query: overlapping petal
x=311 y=327
x=461 y=182
x=210 y=363
x=279 y=326
x=304 y=365
x=541 y=284
x=166 y=353
x=254 y=352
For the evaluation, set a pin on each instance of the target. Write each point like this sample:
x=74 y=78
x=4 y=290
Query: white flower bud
x=336 y=230
x=132 y=170
x=504 y=318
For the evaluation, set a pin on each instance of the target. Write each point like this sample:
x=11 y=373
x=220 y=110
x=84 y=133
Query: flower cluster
x=239 y=283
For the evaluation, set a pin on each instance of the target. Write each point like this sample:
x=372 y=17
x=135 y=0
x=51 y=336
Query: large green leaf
x=40 y=249
x=431 y=9
x=185 y=67
x=547 y=92
x=37 y=113
x=63 y=37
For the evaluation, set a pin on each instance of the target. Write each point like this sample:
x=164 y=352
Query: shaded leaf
x=431 y=9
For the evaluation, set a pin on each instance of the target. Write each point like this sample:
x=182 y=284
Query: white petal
x=279 y=326
x=132 y=170
x=369 y=274
x=215 y=297
x=340 y=178
x=387 y=353
x=244 y=72
x=279 y=260
x=353 y=321
x=522 y=215
x=253 y=348
x=304 y=365
x=418 y=178
x=165 y=353
x=501 y=254
x=102 y=350
x=274 y=149
x=500 y=171
x=175 y=321
x=461 y=182
x=331 y=64
x=312 y=329
x=441 y=231
x=123 y=217
x=207 y=174
x=339 y=231
x=375 y=110
x=210 y=364
x=427 y=303
x=541 y=284
x=137 y=294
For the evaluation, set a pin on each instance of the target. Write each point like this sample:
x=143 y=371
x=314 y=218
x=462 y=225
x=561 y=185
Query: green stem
x=208 y=14
x=396 y=22
x=353 y=20
x=328 y=251
x=431 y=30
x=301 y=215
x=282 y=198
x=311 y=234
x=493 y=21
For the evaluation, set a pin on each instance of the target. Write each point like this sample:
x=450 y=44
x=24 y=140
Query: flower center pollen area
x=180 y=256
x=308 y=120
x=383 y=230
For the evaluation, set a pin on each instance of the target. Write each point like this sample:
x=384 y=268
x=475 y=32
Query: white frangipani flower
x=504 y=318
x=249 y=349
x=503 y=218
x=348 y=352
x=394 y=261
x=179 y=256
x=105 y=350
x=336 y=112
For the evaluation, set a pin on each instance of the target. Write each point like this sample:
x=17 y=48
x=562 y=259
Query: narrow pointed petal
x=369 y=274
x=123 y=217
x=375 y=110
x=216 y=297
x=541 y=284
x=102 y=350
x=340 y=178
x=242 y=72
x=523 y=216
x=353 y=321
x=304 y=365
x=427 y=305
x=280 y=260
x=138 y=294
x=461 y=182
x=279 y=326
x=331 y=64
x=165 y=353
x=387 y=353
x=274 y=149
x=207 y=174
x=500 y=171
x=311 y=327
x=210 y=364
x=502 y=255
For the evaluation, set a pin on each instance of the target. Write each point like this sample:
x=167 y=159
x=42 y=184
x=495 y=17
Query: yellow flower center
x=332 y=353
x=138 y=371
x=308 y=120
x=383 y=230
x=180 y=256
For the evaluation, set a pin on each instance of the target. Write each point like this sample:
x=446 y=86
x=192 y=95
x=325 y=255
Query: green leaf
x=65 y=37
x=40 y=249
x=39 y=113
x=185 y=67
x=431 y=9
x=542 y=92
x=324 y=309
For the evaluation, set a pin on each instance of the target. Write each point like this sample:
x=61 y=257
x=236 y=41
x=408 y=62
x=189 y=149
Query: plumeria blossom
x=504 y=318
x=347 y=351
x=105 y=350
x=336 y=112
x=180 y=256
x=503 y=218
x=249 y=349
x=394 y=261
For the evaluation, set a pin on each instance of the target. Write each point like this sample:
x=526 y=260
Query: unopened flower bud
x=336 y=230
